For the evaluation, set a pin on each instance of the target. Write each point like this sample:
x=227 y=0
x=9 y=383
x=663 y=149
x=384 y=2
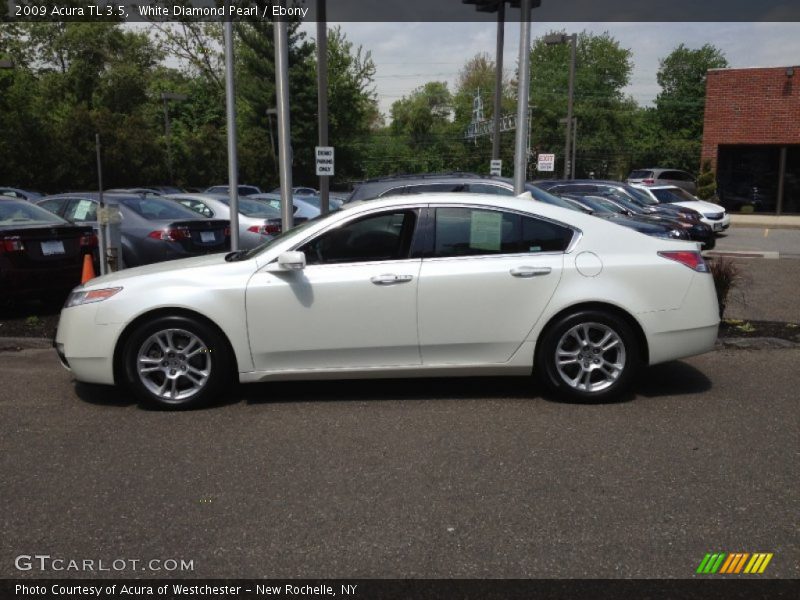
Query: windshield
x=20 y=212
x=548 y=198
x=640 y=196
x=155 y=208
x=599 y=205
x=673 y=195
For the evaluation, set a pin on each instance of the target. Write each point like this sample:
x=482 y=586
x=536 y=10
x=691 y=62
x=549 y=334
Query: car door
x=487 y=279
x=354 y=305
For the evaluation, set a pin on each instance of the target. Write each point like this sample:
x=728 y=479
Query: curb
x=755 y=343
x=16 y=344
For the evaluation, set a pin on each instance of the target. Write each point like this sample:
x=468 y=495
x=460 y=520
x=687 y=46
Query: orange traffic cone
x=88 y=268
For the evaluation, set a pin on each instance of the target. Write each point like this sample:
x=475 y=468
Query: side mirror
x=292 y=261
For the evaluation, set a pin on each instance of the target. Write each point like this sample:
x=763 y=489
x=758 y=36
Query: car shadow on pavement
x=675 y=378
x=104 y=395
x=391 y=389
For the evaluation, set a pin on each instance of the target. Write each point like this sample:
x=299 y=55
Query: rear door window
x=82 y=210
x=473 y=232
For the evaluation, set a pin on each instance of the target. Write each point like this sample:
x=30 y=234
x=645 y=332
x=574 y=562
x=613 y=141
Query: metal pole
x=101 y=234
x=781 y=180
x=574 y=142
x=230 y=110
x=168 y=134
x=280 y=32
x=322 y=96
x=520 y=157
x=498 y=79
x=573 y=43
x=270 y=112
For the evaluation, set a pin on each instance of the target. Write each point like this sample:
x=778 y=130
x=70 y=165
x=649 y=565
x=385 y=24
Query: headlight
x=76 y=298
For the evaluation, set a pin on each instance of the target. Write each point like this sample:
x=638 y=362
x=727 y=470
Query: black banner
x=340 y=11
x=412 y=589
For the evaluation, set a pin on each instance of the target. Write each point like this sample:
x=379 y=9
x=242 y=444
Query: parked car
x=658 y=176
x=258 y=221
x=135 y=190
x=448 y=183
x=694 y=228
x=713 y=215
x=298 y=191
x=494 y=286
x=603 y=209
x=244 y=190
x=302 y=210
x=152 y=229
x=41 y=254
x=19 y=193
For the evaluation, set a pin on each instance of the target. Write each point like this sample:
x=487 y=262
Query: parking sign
x=496 y=167
x=546 y=162
x=324 y=160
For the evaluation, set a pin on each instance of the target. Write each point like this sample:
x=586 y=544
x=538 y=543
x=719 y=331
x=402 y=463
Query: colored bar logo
x=734 y=563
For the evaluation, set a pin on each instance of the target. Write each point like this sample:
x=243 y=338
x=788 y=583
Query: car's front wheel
x=176 y=362
x=589 y=356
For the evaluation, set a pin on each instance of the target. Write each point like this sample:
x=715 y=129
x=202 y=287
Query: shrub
x=706 y=181
x=726 y=275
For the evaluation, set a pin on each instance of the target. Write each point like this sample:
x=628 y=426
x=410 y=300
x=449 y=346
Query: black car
x=41 y=254
x=636 y=202
x=153 y=228
x=448 y=182
x=603 y=209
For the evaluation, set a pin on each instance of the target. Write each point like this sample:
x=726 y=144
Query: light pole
x=553 y=40
x=165 y=98
x=270 y=113
x=523 y=90
x=574 y=143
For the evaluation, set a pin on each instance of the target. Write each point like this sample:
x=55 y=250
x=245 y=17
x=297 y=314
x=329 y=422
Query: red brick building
x=752 y=137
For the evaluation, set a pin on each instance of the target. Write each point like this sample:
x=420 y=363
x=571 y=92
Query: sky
x=407 y=55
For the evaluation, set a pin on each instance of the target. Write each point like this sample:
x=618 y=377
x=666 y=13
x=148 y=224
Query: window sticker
x=486 y=230
x=83 y=208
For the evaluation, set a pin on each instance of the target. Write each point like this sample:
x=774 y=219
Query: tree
x=706 y=181
x=682 y=77
x=603 y=69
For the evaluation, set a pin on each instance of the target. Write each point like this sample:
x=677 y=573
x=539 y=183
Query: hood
x=156 y=268
x=701 y=205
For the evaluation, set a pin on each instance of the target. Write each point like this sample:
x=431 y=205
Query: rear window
x=641 y=175
x=673 y=195
x=154 y=208
x=20 y=212
x=257 y=208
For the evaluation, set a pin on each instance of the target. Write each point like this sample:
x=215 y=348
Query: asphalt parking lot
x=438 y=478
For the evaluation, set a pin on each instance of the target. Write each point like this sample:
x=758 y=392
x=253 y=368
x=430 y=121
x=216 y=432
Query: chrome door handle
x=390 y=279
x=530 y=271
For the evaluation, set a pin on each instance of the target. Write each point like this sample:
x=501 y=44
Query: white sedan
x=713 y=215
x=429 y=285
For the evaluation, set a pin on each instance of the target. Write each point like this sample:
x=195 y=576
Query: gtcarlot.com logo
x=735 y=563
x=45 y=562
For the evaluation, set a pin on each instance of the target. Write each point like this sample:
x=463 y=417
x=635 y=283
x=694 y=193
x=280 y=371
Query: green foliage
x=706 y=181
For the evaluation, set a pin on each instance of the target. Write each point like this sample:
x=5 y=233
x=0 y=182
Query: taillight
x=648 y=181
x=267 y=229
x=693 y=260
x=88 y=240
x=171 y=235
x=227 y=232
x=12 y=244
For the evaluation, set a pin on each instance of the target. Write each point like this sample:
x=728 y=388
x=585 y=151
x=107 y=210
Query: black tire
x=598 y=322
x=212 y=356
x=711 y=242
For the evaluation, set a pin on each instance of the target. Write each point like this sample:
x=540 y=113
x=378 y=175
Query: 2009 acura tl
x=455 y=284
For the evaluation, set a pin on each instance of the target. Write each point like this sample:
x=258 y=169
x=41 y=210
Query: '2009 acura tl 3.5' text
x=429 y=285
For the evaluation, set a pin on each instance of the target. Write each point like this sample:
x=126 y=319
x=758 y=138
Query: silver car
x=657 y=176
x=258 y=221
x=302 y=209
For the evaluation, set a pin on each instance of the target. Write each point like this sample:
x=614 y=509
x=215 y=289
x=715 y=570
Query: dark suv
x=447 y=182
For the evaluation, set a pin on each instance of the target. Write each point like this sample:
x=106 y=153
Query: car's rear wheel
x=589 y=356
x=176 y=362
